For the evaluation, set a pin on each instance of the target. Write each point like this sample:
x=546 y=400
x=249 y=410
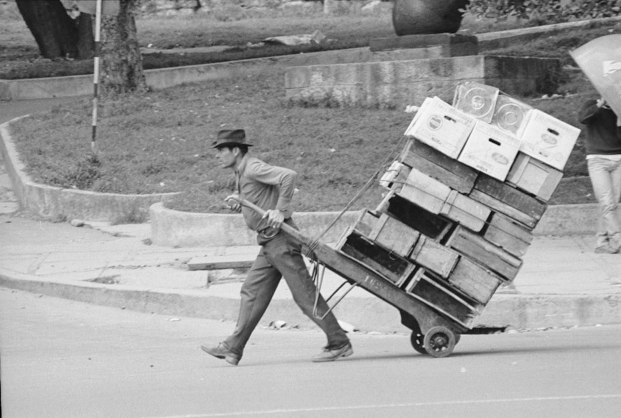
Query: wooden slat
x=440 y=167
x=424 y=191
x=465 y=211
x=508 y=235
x=475 y=281
x=485 y=253
x=424 y=288
x=526 y=220
x=435 y=257
x=425 y=222
x=392 y=266
x=510 y=196
x=394 y=235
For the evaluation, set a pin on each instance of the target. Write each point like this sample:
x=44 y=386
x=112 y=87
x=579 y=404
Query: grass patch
x=161 y=142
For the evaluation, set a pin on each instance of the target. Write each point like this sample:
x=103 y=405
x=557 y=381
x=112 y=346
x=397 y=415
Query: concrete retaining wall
x=82 y=85
x=401 y=83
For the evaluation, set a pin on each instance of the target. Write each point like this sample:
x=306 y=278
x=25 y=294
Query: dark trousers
x=280 y=257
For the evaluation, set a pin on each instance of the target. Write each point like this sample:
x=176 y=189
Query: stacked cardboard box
x=464 y=196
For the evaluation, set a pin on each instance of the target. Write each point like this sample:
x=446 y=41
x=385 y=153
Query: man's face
x=226 y=157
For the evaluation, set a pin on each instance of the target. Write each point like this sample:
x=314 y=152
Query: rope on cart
x=313 y=245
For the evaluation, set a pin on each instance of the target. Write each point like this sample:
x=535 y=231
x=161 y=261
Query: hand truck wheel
x=439 y=342
x=417 y=339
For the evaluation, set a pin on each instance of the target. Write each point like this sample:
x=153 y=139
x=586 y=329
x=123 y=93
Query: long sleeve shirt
x=267 y=186
x=603 y=135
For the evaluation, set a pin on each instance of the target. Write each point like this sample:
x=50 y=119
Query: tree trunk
x=121 y=61
x=54 y=31
x=86 y=39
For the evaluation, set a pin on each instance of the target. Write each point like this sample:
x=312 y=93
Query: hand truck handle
x=284 y=227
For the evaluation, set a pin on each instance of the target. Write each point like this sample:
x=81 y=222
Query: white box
x=442 y=127
x=490 y=150
x=548 y=139
x=478 y=100
x=426 y=102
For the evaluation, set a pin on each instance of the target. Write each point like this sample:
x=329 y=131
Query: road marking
x=393 y=405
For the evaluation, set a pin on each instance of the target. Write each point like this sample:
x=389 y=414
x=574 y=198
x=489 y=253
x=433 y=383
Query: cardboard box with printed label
x=548 y=139
x=441 y=126
x=490 y=150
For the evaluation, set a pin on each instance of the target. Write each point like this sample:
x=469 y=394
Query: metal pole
x=96 y=72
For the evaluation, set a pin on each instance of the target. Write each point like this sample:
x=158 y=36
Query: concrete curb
x=507 y=37
x=183 y=229
x=368 y=314
x=171 y=228
x=58 y=203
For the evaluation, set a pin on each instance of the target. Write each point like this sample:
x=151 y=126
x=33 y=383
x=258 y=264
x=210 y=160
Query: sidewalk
x=562 y=282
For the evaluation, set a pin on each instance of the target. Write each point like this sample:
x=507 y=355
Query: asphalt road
x=62 y=358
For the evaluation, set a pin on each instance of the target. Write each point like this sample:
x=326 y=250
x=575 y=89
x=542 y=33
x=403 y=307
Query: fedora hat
x=231 y=137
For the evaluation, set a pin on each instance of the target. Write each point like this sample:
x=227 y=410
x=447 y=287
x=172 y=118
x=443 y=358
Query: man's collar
x=242 y=164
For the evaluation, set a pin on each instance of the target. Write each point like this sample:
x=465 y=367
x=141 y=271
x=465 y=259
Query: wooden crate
x=439 y=166
x=484 y=252
x=528 y=221
x=366 y=222
x=474 y=280
x=394 y=235
x=427 y=223
x=508 y=200
x=431 y=291
x=508 y=235
x=534 y=177
x=465 y=211
x=434 y=257
x=424 y=191
x=395 y=177
x=511 y=196
x=387 y=264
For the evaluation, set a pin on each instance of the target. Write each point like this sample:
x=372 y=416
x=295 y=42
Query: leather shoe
x=329 y=354
x=606 y=249
x=221 y=352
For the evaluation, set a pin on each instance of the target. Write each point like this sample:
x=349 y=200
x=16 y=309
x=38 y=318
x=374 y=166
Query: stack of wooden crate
x=463 y=199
